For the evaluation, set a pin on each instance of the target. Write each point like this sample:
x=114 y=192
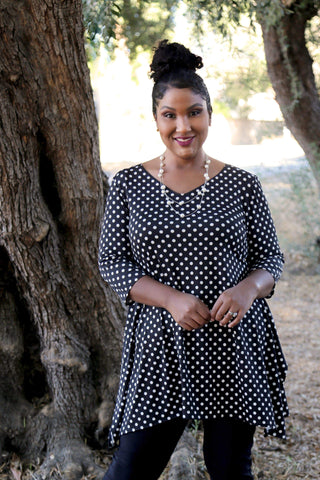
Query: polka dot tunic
x=212 y=372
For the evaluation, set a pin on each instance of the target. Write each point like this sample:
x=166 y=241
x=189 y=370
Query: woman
x=188 y=243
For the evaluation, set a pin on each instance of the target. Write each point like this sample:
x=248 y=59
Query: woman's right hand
x=187 y=310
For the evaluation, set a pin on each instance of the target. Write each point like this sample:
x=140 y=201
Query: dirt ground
x=296 y=309
x=294 y=202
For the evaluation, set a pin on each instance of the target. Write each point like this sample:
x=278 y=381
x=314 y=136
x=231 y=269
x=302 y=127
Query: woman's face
x=183 y=120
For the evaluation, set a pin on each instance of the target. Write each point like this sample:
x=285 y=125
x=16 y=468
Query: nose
x=183 y=124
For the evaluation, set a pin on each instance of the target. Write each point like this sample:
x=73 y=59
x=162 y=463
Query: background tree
x=141 y=22
x=285 y=27
x=60 y=326
x=245 y=76
x=290 y=70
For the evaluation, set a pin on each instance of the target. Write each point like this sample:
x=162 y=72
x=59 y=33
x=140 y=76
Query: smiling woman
x=189 y=244
x=183 y=120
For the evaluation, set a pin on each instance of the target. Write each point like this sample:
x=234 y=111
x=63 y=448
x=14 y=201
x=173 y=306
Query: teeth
x=183 y=139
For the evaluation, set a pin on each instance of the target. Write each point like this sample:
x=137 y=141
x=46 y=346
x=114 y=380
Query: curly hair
x=174 y=65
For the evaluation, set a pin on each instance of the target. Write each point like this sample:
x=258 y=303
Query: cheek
x=204 y=127
x=164 y=129
x=165 y=137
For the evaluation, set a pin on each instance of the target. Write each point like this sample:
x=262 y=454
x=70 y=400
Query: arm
x=238 y=299
x=116 y=262
x=264 y=260
x=186 y=309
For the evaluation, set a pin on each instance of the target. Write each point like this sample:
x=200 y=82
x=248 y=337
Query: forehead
x=180 y=98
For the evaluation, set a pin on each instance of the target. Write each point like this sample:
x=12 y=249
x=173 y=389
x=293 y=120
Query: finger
x=199 y=321
x=236 y=320
x=215 y=309
x=230 y=316
x=186 y=326
x=225 y=313
x=191 y=324
x=204 y=313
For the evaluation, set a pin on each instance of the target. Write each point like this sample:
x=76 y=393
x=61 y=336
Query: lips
x=184 y=141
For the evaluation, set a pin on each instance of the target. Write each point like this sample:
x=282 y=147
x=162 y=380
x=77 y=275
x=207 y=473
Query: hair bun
x=172 y=56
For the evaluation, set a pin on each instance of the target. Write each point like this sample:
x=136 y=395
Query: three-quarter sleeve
x=116 y=262
x=264 y=251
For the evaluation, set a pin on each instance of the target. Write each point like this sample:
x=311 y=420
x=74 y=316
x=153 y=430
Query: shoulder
x=125 y=176
x=240 y=176
x=246 y=185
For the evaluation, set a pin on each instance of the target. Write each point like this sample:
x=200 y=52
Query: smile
x=184 y=141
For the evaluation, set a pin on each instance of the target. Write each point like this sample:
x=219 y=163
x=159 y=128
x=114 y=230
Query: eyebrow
x=189 y=108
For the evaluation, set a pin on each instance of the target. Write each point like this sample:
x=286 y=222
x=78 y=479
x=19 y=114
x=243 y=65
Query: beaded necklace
x=171 y=202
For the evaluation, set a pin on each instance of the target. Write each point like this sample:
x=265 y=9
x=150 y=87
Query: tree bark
x=290 y=69
x=60 y=350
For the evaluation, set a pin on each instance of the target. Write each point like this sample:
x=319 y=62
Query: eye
x=169 y=115
x=195 y=113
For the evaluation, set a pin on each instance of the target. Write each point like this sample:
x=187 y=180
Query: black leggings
x=143 y=455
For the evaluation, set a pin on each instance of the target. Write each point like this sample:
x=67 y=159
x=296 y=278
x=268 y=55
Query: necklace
x=171 y=202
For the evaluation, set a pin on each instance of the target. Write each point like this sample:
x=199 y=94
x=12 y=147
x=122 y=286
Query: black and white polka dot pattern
x=212 y=372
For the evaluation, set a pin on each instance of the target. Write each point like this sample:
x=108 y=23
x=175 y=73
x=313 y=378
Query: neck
x=179 y=163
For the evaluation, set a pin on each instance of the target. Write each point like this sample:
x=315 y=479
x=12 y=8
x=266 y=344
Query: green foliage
x=225 y=15
x=220 y=107
x=194 y=426
x=221 y=15
x=141 y=22
x=145 y=22
x=247 y=78
x=100 y=19
x=271 y=11
x=313 y=42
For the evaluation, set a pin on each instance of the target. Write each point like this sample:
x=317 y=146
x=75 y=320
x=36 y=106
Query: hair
x=174 y=66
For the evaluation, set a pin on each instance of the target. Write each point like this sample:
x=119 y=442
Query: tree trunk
x=290 y=70
x=61 y=326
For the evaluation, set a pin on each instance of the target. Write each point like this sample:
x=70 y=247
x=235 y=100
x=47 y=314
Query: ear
x=155 y=119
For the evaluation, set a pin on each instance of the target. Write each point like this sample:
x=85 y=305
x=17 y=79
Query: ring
x=233 y=314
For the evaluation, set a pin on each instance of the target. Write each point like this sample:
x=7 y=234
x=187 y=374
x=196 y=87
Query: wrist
x=251 y=287
x=171 y=298
x=260 y=283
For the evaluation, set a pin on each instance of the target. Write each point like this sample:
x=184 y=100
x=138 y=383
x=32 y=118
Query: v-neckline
x=190 y=191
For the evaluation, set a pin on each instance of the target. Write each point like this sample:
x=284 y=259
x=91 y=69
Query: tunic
x=211 y=372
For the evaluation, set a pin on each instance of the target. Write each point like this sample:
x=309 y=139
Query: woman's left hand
x=233 y=304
